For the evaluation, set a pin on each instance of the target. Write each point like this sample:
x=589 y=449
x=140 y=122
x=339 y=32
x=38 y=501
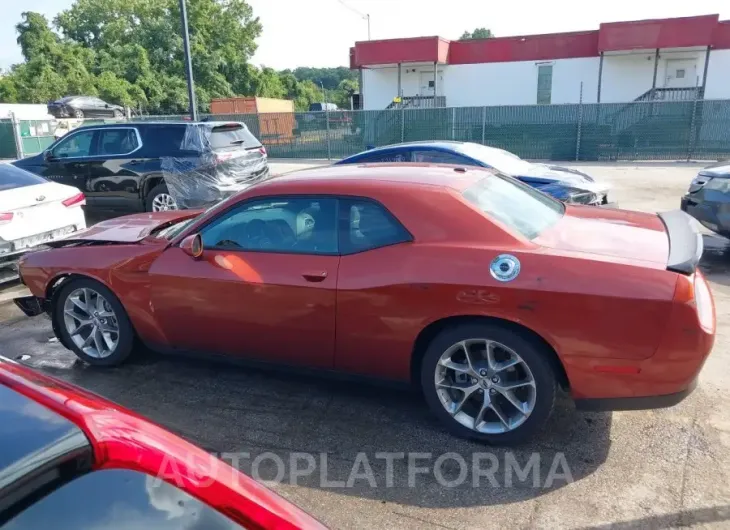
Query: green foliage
x=479 y=33
x=130 y=52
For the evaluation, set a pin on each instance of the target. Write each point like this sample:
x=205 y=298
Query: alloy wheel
x=163 y=202
x=91 y=322
x=485 y=386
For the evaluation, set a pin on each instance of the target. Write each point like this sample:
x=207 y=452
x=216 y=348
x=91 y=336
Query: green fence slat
x=641 y=130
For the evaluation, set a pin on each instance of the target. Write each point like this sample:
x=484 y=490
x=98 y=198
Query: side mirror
x=48 y=155
x=193 y=246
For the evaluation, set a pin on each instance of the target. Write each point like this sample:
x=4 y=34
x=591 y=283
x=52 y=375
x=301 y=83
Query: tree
x=479 y=33
x=130 y=52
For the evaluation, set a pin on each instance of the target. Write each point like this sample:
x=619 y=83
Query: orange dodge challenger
x=487 y=294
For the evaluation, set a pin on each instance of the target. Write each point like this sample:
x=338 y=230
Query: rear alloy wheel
x=489 y=383
x=160 y=200
x=118 y=114
x=93 y=323
x=79 y=114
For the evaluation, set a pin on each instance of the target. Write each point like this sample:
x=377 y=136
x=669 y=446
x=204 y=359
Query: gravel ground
x=648 y=469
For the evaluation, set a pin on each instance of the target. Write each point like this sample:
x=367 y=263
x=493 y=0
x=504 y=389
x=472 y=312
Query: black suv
x=154 y=166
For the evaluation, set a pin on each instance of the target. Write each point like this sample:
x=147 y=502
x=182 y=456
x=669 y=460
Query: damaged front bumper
x=32 y=305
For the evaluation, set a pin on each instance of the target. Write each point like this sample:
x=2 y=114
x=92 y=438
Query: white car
x=34 y=211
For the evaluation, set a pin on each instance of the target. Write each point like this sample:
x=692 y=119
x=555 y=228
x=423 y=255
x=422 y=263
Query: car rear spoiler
x=685 y=242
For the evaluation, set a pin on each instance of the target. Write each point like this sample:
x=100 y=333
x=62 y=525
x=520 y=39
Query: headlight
x=576 y=196
x=716 y=184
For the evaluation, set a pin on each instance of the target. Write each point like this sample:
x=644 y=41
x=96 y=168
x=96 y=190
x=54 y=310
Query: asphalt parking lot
x=648 y=469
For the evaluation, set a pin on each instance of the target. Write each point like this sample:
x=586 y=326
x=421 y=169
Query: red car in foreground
x=486 y=293
x=70 y=460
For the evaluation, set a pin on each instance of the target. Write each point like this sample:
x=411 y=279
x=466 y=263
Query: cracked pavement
x=647 y=469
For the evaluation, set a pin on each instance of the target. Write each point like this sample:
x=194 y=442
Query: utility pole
x=361 y=15
x=188 y=63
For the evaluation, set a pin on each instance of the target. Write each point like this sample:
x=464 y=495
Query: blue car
x=565 y=184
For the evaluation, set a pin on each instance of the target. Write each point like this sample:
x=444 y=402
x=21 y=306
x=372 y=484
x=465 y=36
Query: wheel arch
x=428 y=333
x=150 y=181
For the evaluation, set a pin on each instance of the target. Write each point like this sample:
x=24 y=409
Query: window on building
x=544 y=83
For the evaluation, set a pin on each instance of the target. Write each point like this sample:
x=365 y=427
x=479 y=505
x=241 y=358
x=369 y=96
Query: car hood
x=720 y=169
x=549 y=175
x=128 y=229
x=620 y=234
x=31 y=161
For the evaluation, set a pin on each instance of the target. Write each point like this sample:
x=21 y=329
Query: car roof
x=397 y=175
x=142 y=124
x=440 y=145
x=128 y=440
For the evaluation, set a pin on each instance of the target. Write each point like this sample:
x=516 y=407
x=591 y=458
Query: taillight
x=77 y=200
x=5 y=218
x=704 y=303
x=262 y=150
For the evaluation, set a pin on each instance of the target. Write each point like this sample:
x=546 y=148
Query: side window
x=119 y=498
x=164 y=140
x=366 y=225
x=75 y=145
x=293 y=225
x=388 y=156
x=117 y=141
x=439 y=157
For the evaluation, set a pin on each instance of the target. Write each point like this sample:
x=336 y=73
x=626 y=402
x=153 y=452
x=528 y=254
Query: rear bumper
x=635 y=403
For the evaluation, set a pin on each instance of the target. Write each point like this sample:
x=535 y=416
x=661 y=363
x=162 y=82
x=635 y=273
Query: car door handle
x=134 y=162
x=315 y=276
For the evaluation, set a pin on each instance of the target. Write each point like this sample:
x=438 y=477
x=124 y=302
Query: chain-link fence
x=641 y=130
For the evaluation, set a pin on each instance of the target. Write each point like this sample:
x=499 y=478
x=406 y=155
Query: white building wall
x=718 y=75
x=625 y=77
x=381 y=84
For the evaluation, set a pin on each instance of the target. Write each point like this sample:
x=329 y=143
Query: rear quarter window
x=12 y=177
x=164 y=140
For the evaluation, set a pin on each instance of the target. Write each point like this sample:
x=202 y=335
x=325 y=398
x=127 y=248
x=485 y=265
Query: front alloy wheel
x=91 y=323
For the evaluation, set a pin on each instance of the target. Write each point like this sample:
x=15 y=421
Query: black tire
x=532 y=353
x=126 y=332
x=154 y=192
x=79 y=114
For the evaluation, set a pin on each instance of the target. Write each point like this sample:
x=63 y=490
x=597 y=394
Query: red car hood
x=130 y=228
x=623 y=234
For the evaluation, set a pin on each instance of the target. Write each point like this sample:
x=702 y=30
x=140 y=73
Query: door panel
x=257 y=305
x=69 y=160
x=115 y=173
x=681 y=73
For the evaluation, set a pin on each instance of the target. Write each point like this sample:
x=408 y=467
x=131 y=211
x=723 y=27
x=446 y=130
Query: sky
x=320 y=32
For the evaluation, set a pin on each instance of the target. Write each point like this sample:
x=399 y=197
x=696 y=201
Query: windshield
x=12 y=177
x=515 y=204
x=501 y=160
x=232 y=135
